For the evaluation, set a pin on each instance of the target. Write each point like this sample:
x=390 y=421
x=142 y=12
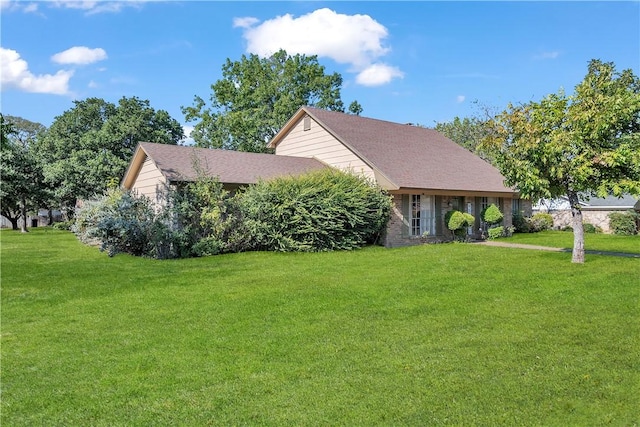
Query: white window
x=422 y=218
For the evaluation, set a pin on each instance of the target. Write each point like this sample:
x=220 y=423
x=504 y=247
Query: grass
x=449 y=334
x=564 y=239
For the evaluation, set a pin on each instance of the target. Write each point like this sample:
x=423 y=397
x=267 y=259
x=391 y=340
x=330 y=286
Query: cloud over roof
x=356 y=40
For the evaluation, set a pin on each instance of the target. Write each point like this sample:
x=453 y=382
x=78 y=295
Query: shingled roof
x=411 y=157
x=179 y=163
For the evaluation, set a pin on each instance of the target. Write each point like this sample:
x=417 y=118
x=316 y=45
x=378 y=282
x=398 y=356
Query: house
x=426 y=173
x=595 y=210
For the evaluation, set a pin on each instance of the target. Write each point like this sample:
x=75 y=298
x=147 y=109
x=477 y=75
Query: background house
x=426 y=173
x=595 y=210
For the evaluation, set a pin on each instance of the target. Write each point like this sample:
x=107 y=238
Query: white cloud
x=245 y=22
x=31 y=8
x=378 y=74
x=547 y=55
x=460 y=99
x=80 y=55
x=15 y=73
x=356 y=40
x=99 y=6
x=92 y=84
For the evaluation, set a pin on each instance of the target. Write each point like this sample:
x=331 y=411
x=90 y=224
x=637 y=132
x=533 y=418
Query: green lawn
x=450 y=334
x=592 y=241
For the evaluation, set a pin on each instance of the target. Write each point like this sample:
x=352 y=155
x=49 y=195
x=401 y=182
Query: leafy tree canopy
x=586 y=143
x=469 y=133
x=256 y=97
x=91 y=144
x=22 y=188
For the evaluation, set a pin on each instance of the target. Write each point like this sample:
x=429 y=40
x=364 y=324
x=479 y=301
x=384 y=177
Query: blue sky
x=418 y=62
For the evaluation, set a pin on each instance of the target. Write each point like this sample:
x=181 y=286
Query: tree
x=22 y=187
x=256 y=97
x=91 y=144
x=584 y=144
x=468 y=133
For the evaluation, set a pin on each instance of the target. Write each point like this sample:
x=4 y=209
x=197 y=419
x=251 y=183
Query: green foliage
x=624 y=223
x=520 y=223
x=588 y=142
x=205 y=218
x=590 y=228
x=469 y=133
x=92 y=143
x=457 y=222
x=256 y=96
x=540 y=221
x=496 y=232
x=491 y=215
x=319 y=211
x=119 y=221
x=22 y=187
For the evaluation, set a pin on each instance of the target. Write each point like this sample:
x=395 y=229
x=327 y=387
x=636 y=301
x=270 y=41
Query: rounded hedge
x=318 y=211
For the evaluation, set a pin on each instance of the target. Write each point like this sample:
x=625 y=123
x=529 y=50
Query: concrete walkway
x=547 y=248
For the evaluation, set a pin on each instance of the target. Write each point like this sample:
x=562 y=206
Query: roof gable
x=409 y=156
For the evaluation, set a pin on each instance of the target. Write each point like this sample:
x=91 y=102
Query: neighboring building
x=426 y=173
x=595 y=210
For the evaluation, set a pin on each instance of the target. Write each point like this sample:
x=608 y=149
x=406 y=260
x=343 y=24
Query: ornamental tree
x=582 y=145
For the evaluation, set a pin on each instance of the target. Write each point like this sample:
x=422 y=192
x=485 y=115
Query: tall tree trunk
x=14 y=222
x=24 y=216
x=578 y=229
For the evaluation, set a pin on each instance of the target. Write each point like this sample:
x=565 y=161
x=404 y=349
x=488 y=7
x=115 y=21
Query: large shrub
x=119 y=221
x=203 y=218
x=318 y=211
x=624 y=223
x=194 y=220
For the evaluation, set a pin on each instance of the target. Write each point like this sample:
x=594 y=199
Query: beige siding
x=149 y=181
x=317 y=142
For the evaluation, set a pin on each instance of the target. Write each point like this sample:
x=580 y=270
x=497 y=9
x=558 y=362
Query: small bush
x=623 y=223
x=62 y=225
x=457 y=222
x=540 y=222
x=521 y=224
x=590 y=228
x=495 y=232
x=491 y=215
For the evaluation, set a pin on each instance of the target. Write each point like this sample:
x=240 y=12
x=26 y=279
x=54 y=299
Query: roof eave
x=287 y=127
x=134 y=167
